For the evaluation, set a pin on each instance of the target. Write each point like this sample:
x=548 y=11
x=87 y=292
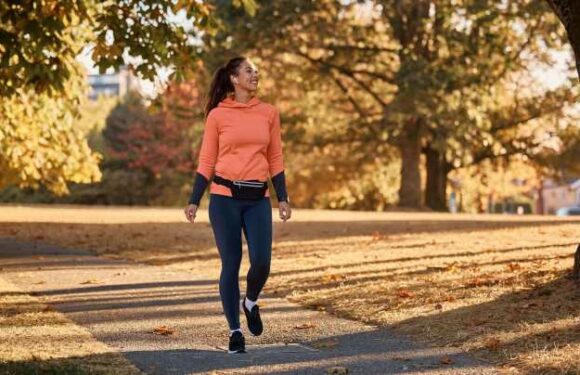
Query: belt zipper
x=249 y=183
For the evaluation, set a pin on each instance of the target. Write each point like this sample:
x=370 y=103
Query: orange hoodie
x=241 y=141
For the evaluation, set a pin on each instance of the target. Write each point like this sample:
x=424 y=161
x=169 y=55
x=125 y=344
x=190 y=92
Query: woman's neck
x=243 y=96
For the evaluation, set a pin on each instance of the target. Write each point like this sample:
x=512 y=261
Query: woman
x=242 y=145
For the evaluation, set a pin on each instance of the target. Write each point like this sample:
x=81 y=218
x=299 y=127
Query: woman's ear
x=234 y=79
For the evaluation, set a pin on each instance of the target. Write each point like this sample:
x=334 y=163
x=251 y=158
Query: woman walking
x=241 y=147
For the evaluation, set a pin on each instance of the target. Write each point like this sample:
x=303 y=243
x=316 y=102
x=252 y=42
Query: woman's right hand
x=190 y=212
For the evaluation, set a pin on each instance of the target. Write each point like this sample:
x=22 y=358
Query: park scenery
x=432 y=160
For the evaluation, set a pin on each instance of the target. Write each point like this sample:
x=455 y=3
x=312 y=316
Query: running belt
x=229 y=183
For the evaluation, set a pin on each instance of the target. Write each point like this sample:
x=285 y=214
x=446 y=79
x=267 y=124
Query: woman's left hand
x=285 y=210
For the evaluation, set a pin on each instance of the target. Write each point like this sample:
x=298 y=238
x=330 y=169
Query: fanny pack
x=244 y=189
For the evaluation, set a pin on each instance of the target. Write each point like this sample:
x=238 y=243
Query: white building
x=114 y=84
x=557 y=195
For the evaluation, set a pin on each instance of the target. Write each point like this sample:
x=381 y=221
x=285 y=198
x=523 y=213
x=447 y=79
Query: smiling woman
x=241 y=148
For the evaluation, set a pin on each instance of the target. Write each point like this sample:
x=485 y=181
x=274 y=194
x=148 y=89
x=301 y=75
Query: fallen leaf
x=332 y=277
x=404 y=293
x=446 y=360
x=330 y=343
x=438 y=307
x=492 y=343
x=163 y=330
x=91 y=281
x=377 y=236
x=452 y=267
x=399 y=358
x=337 y=370
x=305 y=326
x=513 y=266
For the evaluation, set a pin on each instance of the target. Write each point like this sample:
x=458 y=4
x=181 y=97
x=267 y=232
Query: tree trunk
x=568 y=11
x=576 y=271
x=410 y=147
x=436 y=184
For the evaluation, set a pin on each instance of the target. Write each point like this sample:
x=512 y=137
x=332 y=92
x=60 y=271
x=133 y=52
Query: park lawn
x=493 y=285
x=39 y=340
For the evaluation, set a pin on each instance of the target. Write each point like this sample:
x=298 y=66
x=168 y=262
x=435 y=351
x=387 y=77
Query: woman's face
x=247 y=78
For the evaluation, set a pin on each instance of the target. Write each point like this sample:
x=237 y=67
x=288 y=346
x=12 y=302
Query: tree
x=40 y=143
x=156 y=140
x=568 y=11
x=40 y=91
x=399 y=68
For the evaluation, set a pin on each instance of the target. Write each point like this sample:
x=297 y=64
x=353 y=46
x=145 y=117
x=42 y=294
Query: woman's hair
x=221 y=84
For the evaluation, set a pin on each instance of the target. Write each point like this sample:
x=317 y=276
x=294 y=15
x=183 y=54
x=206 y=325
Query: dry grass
x=36 y=339
x=492 y=285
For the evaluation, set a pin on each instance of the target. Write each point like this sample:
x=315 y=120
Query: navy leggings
x=228 y=218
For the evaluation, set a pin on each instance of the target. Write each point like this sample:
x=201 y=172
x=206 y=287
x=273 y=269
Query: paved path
x=123 y=302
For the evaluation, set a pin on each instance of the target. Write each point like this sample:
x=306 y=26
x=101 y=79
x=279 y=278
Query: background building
x=556 y=195
x=113 y=84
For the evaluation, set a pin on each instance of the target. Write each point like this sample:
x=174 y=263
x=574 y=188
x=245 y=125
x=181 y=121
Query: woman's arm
x=276 y=158
x=207 y=159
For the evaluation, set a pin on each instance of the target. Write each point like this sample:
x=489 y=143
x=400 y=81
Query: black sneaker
x=253 y=318
x=237 y=343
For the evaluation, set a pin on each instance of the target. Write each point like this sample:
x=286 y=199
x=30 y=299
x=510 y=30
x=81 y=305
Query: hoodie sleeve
x=209 y=148
x=207 y=159
x=275 y=156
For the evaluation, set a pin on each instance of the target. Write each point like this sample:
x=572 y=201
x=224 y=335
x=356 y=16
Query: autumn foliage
x=157 y=139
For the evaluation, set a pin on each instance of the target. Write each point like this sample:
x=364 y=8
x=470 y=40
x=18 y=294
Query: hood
x=229 y=102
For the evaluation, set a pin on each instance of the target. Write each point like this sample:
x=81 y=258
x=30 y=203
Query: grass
x=38 y=340
x=492 y=285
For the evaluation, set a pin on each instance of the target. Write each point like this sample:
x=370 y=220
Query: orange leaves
x=446 y=360
x=492 y=343
x=405 y=293
x=378 y=236
x=305 y=326
x=331 y=277
x=163 y=330
x=513 y=266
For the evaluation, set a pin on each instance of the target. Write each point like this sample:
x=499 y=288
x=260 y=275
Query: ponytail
x=221 y=84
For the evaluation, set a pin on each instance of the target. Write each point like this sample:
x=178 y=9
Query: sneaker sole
x=236 y=351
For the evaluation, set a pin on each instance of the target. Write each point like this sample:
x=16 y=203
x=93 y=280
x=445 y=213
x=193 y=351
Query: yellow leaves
x=163 y=330
x=452 y=267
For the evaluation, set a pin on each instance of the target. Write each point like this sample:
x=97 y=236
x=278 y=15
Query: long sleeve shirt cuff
x=279 y=182
x=199 y=187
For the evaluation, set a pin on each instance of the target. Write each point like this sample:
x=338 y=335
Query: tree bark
x=409 y=145
x=436 y=184
x=568 y=11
